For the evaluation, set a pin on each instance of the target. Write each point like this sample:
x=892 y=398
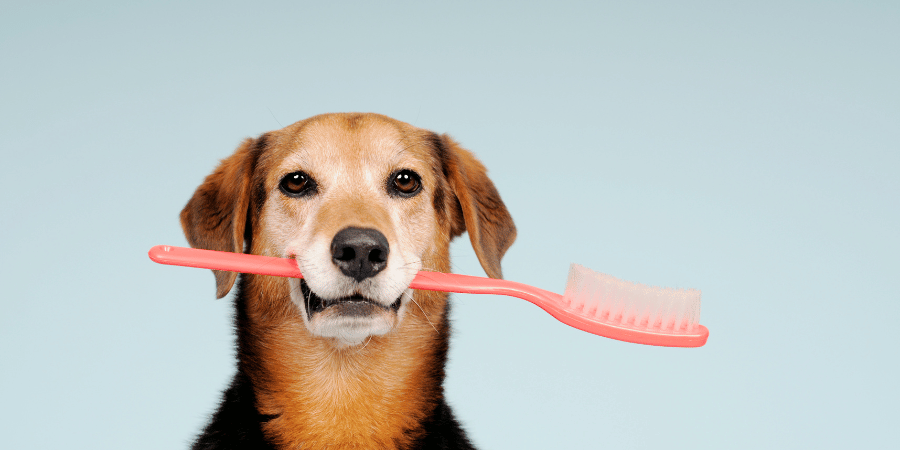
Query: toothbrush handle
x=229 y=261
x=467 y=284
x=283 y=267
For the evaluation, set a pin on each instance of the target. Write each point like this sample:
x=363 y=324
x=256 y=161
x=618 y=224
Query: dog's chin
x=348 y=320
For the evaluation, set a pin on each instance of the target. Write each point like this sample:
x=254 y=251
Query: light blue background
x=749 y=151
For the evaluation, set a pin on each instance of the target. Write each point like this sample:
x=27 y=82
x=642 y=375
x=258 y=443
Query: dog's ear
x=480 y=210
x=216 y=216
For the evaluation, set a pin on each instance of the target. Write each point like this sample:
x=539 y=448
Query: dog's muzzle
x=354 y=306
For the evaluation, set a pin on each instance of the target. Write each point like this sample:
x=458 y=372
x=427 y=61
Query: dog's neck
x=374 y=395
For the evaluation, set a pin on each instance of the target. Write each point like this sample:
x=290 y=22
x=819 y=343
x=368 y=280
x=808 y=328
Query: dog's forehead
x=350 y=142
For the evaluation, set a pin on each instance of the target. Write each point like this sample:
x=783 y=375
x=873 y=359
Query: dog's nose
x=360 y=253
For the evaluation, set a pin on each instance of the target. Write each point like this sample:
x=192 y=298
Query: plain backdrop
x=751 y=151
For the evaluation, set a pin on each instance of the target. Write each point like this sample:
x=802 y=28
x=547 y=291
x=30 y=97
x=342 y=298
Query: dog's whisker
x=308 y=301
x=424 y=313
x=364 y=345
x=421 y=266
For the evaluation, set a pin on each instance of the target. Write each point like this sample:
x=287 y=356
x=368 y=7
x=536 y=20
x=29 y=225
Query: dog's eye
x=297 y=184
x=406 y=183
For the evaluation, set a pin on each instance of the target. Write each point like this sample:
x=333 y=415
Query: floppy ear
x=484 y=216
x=215 y=217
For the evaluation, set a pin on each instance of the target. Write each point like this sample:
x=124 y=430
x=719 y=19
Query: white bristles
x=623 y=303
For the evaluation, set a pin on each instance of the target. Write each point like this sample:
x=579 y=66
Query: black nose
x=360 y=253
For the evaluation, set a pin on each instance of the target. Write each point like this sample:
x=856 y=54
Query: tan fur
x=325 y=395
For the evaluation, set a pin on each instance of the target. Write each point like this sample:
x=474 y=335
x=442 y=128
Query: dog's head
x=361 y=202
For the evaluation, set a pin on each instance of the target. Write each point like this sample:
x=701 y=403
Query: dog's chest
x=374 y=398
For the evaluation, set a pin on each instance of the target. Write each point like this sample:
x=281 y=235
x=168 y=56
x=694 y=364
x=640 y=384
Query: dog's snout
x=360 y=253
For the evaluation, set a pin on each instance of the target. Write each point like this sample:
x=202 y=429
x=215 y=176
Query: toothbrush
x=592 y=302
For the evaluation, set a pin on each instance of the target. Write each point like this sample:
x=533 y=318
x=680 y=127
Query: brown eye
x=406 y=183
x=297 y=184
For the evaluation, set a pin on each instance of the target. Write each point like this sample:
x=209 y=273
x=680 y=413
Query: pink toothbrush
x=593 y=302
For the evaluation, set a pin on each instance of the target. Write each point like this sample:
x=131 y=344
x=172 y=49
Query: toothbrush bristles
x=607 y=299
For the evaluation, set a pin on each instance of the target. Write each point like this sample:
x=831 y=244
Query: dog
x=349 y=357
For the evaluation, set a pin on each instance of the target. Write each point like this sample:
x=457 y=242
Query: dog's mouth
x=352 y=306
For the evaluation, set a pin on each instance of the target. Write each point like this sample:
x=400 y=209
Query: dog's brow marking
x=405 y=149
